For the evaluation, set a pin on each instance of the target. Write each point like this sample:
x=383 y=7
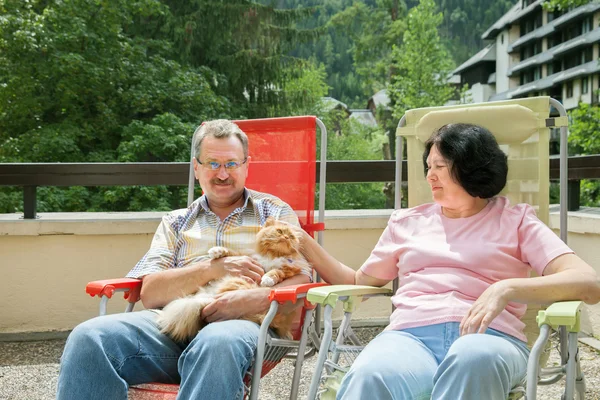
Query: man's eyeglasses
x=229 y=165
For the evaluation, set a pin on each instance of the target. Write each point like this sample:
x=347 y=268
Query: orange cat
x=276 y=251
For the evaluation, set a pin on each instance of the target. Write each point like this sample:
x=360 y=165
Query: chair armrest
x=293 y=293
x=563 y=313
x=329 y=295
x=107 y=287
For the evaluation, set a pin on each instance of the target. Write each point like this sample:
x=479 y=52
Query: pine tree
x=246 y=42
x=421 y=64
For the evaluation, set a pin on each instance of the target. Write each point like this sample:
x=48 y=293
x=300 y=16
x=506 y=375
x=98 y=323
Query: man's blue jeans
x=104 y=355
x=435 y=362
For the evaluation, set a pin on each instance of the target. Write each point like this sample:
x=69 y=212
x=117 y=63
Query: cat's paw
x=267 y=281
x=218 y=252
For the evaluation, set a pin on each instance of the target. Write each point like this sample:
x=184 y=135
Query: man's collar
x=206 y=208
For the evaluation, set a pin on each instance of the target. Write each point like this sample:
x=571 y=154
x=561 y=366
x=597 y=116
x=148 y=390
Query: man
x=104 y=355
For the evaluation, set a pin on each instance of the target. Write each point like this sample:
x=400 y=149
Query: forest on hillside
x=359 y=32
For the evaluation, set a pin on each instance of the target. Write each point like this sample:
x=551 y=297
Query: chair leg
x=341 y=336
x=300 y=356
x=323 y=352
x=580 y=381
x=571 y=366
x=260 y=351
x=533 y=364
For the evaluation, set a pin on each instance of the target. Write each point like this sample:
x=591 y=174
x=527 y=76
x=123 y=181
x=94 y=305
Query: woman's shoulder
x=423 y=210
x=502 y=205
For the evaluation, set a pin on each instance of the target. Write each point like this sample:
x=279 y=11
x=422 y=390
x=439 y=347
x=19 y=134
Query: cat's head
x=277 y=239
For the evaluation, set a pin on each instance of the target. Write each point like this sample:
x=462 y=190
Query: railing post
x=574 y=195
x=29 y=202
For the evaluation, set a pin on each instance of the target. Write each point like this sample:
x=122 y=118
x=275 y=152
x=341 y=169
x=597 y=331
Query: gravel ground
x=29 y=370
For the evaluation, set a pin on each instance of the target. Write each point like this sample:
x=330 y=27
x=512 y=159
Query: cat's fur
x=277 y=251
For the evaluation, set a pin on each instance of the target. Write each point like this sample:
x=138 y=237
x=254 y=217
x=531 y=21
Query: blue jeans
x=104 y=355
x=435 y=362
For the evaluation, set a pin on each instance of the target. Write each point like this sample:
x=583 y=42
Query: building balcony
x=558 y=78
x=558 y=50
x=551 y=27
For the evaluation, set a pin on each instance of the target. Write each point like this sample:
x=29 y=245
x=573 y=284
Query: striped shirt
x=184 y=236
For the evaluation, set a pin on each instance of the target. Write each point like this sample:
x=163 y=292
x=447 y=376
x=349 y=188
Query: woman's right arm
x=331 y=270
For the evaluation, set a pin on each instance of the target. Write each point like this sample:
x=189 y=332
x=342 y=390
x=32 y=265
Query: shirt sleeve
x=161 y=255
x=537 y=243
x=383 y=261
x=288 y=215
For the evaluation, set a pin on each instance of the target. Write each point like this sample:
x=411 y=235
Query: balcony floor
x=29 y=370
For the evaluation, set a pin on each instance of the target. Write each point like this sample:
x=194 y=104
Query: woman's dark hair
x=475 y=160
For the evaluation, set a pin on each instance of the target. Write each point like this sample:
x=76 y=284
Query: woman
x=463 y=264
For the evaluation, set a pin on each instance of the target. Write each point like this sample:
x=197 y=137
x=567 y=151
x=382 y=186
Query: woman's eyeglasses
x=229 y=165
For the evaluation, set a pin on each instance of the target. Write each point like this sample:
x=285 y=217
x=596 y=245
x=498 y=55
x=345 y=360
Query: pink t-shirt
x=444 y=264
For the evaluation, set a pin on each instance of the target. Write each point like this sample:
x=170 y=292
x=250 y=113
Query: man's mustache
x=222 y=182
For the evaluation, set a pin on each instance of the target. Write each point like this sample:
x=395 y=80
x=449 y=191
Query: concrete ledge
x=130 y=223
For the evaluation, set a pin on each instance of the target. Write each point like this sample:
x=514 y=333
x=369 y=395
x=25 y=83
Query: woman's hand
x=487 y=307
x=299 y=232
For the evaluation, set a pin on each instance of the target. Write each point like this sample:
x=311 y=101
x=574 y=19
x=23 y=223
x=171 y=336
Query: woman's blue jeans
x=104 y=355
x=435 y=362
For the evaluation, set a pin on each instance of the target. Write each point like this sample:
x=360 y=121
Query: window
x=569 y=89
x=554 y=39
x=584 y=85
x=537 y=73
x=527 y=76
x=555 y=14
x=549 y=69
x=502 y=39
x=586 y=55
x=538 y=20
x=572 y=59
x=557 y=66
x=586 y=25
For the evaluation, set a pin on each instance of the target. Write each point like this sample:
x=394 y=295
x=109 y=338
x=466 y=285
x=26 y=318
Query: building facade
x=534 y=52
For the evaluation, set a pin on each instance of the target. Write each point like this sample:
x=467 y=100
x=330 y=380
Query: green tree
x=421 y=63
x=585 y=139
x=348 y=139
x=88 y=80
x=563 y=4
x=72 y=76
x=374 y=30
x=247 y=42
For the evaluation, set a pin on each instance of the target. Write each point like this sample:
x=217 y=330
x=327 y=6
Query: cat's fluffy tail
x=180 y=319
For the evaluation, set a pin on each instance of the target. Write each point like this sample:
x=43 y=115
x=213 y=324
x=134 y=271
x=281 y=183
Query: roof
x=380 y=99
x=488 y=53
x=513 y=15
x=329 y=103
x=454 y=79
x=365 y=117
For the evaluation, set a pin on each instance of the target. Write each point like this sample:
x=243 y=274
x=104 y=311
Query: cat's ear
x=270 y=221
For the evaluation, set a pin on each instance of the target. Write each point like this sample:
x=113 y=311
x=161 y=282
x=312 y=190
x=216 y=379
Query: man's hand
x=487 y=307
x=236 y=304
x=243 y=266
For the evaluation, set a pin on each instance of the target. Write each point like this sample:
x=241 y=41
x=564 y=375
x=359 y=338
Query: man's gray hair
x=220 y=129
